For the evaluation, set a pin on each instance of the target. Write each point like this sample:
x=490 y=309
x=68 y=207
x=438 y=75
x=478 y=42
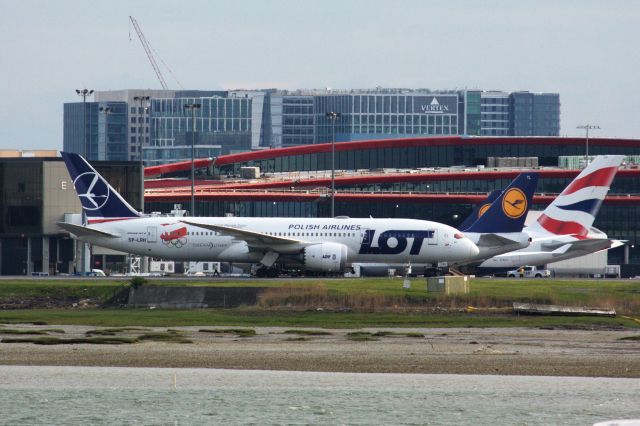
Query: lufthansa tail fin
x=99 y=200
x=479 y=210
x=574 y=210
x=509 y=211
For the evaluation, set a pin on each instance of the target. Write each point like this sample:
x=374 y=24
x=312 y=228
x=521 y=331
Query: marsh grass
x=25 y=332
x=50 y=340
x=307 y=332
x=630 y=338
x=14 y=322
x=113 y=331
x=361 y=336
x=297 y=339
x=239 y=332
x=164 y=337
x=318 y=295
x=255 y=317
x=488 y=296
x=397 y=333
x=169 y=337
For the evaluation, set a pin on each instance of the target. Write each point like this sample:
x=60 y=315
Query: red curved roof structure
x=423 y=141
x=385 y=143
x=173 y=190
x=177 y=167
x=376 y=197
x=373 y=178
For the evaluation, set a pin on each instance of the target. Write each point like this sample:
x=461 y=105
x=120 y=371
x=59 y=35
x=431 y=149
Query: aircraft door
x=433 y=241
x=152 y=234
x=366 y=236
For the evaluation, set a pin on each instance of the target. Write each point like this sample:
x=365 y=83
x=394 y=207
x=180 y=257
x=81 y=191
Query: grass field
x=557 y=291
x=261 y=318
x=370 y=302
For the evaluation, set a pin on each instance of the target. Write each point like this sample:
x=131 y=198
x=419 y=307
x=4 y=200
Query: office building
x=158 y=125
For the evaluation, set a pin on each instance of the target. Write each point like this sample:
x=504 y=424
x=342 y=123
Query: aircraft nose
x=473 y=249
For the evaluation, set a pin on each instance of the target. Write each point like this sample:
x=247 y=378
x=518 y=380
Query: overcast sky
x=588 y=51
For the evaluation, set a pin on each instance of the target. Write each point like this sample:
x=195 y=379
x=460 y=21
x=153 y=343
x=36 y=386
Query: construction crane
x=148 y=51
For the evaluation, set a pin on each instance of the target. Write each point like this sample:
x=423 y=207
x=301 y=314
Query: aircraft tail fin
x=574 y=210
x=99 y=200
x=479 y=210
x=508 y=212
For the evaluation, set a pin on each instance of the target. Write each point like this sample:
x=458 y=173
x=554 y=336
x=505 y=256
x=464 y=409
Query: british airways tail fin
x=508 y=212
x=479 y=210
x=99 y=200
x=574 y=210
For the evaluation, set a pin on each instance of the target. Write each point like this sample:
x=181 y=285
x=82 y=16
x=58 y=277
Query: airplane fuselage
x=366 y=240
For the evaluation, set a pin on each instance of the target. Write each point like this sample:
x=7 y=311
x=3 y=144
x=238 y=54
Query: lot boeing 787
x=316 y=244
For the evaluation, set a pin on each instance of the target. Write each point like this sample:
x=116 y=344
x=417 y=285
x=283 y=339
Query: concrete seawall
x=192 y=297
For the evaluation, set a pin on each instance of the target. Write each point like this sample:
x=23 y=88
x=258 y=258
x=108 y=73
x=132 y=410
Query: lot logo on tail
x=93 y=190
x=514 y=203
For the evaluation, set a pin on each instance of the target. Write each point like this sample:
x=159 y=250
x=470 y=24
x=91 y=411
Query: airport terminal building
x=435 y=178
x=35 y=194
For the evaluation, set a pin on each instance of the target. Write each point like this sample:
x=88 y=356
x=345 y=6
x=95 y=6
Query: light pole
x=142 y=113
x=193 y=107
x=587 y=127
x=84 y=93
x=85 y=256
x=333 y=116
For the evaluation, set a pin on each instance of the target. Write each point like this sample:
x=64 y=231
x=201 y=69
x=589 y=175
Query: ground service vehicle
x=529 y=272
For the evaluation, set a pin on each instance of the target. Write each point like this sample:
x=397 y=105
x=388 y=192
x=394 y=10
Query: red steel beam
x=375 y=197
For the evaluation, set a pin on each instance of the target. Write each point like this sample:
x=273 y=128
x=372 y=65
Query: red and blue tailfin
x=575 y=209
x=508 y=212
x=99 y=200
x=479 y=210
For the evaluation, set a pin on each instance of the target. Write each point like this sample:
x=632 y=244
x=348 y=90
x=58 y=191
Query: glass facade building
x=222 y=126
x=243 y=120
x=495 y=114
x=371 y=115
x=106 y=130
x=534 y=114
x=298 y=120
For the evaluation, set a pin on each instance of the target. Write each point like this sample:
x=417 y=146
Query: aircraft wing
x=588 y=246
x=253 y=238
x=592 y=245
x=494 y=240
x=84 y=231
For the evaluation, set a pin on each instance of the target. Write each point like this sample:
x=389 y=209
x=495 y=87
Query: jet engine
x=325 y=257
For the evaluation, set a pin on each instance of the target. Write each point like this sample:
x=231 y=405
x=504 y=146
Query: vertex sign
x=441 y=104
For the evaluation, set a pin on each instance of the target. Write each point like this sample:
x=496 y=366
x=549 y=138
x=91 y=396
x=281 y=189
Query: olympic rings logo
x=176 y=243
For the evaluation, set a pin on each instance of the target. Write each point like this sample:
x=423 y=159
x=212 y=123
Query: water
x=113 y=395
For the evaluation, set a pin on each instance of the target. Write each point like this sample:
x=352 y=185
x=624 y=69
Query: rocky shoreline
x=521 y=351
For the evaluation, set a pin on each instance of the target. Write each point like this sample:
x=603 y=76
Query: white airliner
x=564 y=229
x=327 y=245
